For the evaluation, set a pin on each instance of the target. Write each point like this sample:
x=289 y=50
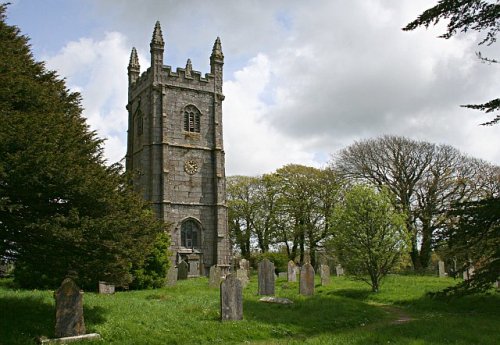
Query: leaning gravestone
x=69 y=310
x=441 y=271
x=182 y=270
x=215 y=277
x=266 y=277
x=324 y=271
x=292 y=271
x=242 y=275
x=339 y=270
x=306 y=283
x=231 y=299
x=172 y=276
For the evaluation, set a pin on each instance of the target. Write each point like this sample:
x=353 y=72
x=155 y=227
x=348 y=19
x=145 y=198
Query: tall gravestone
x=245 y=265
x=182 y=270
x=292 y=271
x=231 y=299
x=69 y=310
x=306 y=283
x=215 y=277
x=172 y=276
x=324 y=271
x=242 y=275
x=441 y=271
x=266 y=277
x=339 y=270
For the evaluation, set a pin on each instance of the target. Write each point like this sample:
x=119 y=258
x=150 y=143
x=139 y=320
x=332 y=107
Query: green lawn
x=345 y=312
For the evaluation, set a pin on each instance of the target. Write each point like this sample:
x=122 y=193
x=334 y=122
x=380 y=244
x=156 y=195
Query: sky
x=302 y=79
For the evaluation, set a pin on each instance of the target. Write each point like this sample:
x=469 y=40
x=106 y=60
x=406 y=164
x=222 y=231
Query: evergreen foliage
x=61 y=208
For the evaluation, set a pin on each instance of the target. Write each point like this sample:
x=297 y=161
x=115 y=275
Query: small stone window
x=191 y=119
x=190 y=234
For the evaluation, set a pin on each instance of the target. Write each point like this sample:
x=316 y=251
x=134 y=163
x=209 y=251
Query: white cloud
x=98 y=70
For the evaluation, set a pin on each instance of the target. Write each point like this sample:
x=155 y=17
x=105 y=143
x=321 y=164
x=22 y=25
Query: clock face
x=191 y=167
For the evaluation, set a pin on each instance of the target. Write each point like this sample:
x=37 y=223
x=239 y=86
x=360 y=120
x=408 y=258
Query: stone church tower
x=175 y=149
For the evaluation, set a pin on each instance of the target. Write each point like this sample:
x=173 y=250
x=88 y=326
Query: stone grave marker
x=266 y=277
x=69 y=310
x=324 y=271
x=441 y=271
x=231 y=299
x=172 y=276
x=214 y=277
x=468 y=273
x=292 y=271
x=182 y=270
x=306 y=282
x=106 y=288
x=339 y=270
x=283 y=275
x=242 y=275
x=245 y=265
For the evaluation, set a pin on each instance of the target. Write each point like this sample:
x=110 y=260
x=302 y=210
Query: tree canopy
x=464 y=16
x=61 y=208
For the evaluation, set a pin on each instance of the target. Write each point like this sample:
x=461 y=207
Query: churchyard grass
x=344 y=312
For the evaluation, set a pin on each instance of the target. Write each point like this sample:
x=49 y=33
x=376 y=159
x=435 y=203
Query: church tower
x=175 y=150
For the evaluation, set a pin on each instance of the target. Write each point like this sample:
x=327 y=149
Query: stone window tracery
x=190 y=234
x=191 y=119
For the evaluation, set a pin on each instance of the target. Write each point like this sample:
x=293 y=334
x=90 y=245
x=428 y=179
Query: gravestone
x=242 y=275
x=172 y=276
x=69 y=310
x=324 y=271
x=215 y=277
x=292 y=271
x=283 y=275
x=266 y=277
x=468 y=273
x=339 y=270
x=441 y=271
x=306 y=283
x=245 y=265
x=106 y=288
x=182 y=270
x=231 y=299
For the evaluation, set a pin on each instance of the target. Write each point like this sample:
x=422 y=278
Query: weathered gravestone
x=215 y=277
x=441 y=271
x=306 y=283
x=339 y=270
x=242 y=275
x=245 y=265
x=106 y=288
x=324 y=271
x=231 y=299
x=283 y=275
x=468 y=273
x=69 y=310
x=292 y=271
x=172 y=276
x=182 y=270
x=266 y=277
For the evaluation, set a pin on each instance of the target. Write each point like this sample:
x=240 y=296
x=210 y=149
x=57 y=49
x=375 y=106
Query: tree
x=61 y=208
x=370 y=235
x=466 y=15
x=426 y=180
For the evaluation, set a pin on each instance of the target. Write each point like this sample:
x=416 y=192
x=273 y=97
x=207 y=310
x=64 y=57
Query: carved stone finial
x=217 y=51
x=157 y=36
x=189 y=68
x=134 y=60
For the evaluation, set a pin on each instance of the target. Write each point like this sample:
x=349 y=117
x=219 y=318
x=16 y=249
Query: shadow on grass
x=24 y=319
x=310 y=316
x=357 y=294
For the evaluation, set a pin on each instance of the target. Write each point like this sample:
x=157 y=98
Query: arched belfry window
x=190 y=234
x=191 y=119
